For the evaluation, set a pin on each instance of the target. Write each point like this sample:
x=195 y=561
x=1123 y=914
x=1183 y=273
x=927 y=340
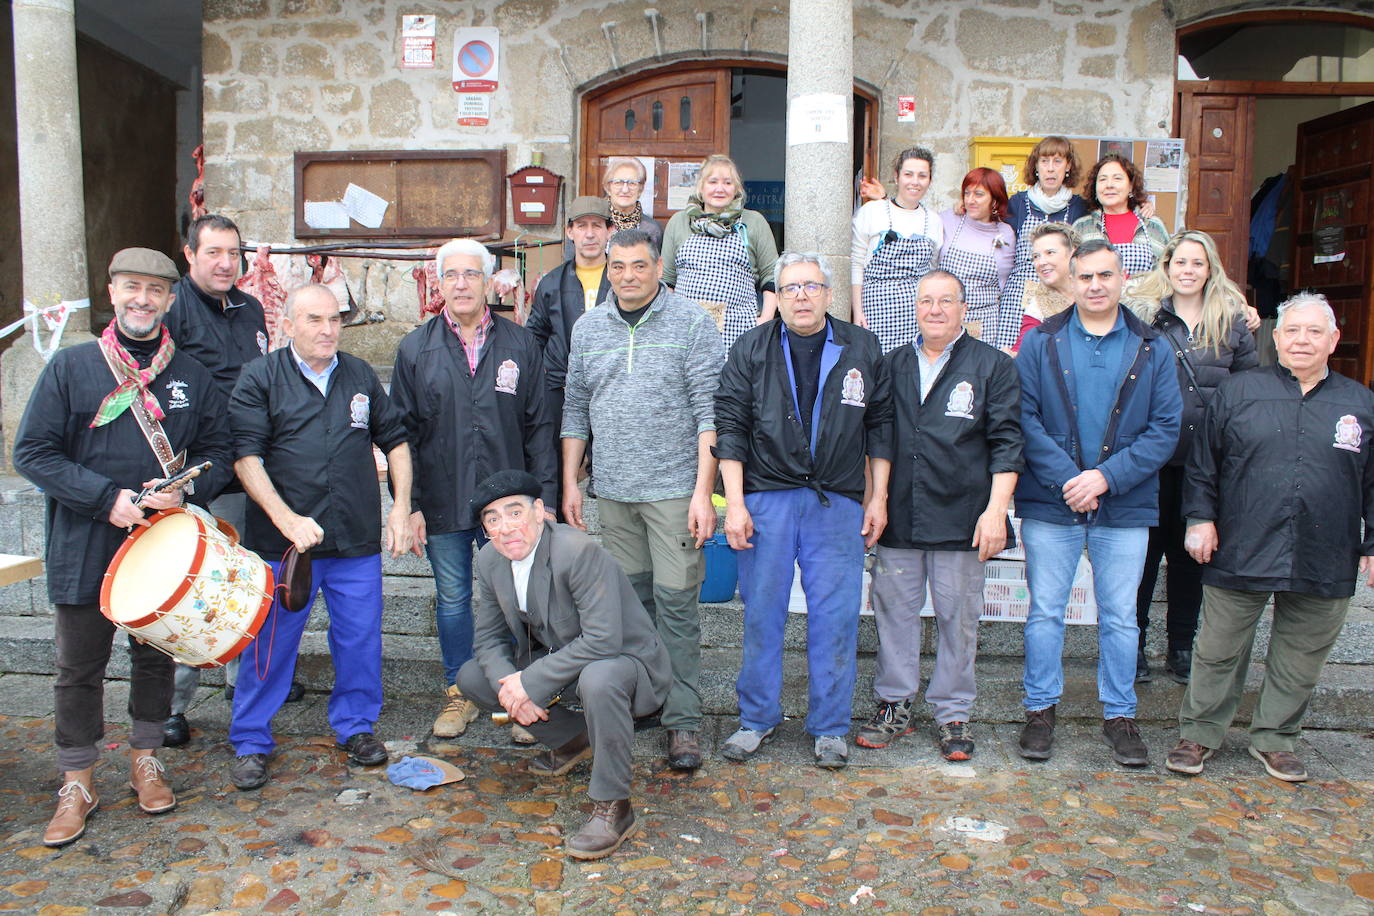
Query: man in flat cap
x=565 y=647
x=106 y=419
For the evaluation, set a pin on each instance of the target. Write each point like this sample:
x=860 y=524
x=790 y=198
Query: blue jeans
x=450 y=556
x=792 y=528
x=1117 y=556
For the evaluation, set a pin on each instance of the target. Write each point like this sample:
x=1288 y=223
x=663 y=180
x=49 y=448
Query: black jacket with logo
x=81 y=469
x=462 y=427
x=1288 y=479
x=224 y=339
x=317 y=450
x=946 y=450
x=756 y=420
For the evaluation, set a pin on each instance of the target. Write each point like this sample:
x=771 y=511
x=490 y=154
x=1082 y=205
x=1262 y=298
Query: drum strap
x=151 y=427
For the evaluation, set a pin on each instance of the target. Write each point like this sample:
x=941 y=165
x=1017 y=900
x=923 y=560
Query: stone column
x=819 y=198
x=52 y=213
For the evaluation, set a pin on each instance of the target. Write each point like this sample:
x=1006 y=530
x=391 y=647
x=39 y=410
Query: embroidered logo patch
x=359 y=411
x=507 y=377
x=177 y=399
x=960 y=403
x=262 y=343
x=852 y=391
x=1348 y=434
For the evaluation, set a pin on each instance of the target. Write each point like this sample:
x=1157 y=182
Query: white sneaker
x=832 y=753
x=744 y=744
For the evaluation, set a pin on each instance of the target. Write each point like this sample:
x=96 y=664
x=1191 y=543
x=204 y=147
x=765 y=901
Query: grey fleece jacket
x=644 y=393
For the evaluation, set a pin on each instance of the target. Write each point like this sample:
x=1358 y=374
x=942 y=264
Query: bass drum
x=185 y=586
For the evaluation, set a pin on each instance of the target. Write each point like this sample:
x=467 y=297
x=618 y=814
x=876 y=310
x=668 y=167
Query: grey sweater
x=644 y=394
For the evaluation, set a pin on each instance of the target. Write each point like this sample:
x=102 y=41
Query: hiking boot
x=1188 y=757
x=249 y=772
x=521 y=735
x=1178 y=664
x=76 y=801
x=146 y=778
x=1037 y=735
x=560 y=760
x=1283 y=765
x=684 y=751
x=956 y=741
x=890 y=722
x=744 y=743
x=1142 y=668
x=611 y=824
x=831 y=752
x=456 y=715
x=1123 y=737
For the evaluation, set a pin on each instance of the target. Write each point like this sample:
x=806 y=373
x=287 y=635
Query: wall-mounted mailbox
x=534 y=195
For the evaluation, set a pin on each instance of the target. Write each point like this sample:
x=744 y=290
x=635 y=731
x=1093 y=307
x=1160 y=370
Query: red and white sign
x=474 y=109
x=476 y=59
x=906 y=109
x=417 y=42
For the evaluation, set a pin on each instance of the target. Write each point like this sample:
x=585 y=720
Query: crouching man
x=556 y=626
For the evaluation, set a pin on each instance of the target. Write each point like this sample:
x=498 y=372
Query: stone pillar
x=52 y=213
x=819 y=198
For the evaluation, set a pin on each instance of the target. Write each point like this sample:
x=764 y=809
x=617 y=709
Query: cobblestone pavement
x=897 y=832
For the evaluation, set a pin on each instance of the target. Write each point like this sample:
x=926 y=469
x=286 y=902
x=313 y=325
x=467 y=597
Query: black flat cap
x=503 y=484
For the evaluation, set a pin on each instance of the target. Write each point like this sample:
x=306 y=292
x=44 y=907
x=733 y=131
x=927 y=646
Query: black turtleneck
x=141 y=350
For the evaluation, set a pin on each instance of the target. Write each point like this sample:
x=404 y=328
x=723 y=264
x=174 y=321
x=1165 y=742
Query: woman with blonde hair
x=1202 y=316
x=720 y=254
x=1051 y=290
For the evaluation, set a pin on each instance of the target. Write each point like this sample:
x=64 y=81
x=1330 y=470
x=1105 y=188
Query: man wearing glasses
x=802 y=403
x=470 y=389
x=641 y=375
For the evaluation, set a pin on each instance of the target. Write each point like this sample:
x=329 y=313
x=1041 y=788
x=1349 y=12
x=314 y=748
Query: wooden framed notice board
x=424 y=193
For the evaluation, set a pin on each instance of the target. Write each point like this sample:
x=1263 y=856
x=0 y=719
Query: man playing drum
x=90 y=442
x=304 y=419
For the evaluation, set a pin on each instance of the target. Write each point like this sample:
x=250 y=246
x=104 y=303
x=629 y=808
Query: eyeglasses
x=450 y=277
x=793 y=290
x=624 y=182
x=945 y=302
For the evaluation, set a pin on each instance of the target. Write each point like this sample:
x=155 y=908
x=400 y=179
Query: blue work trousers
x=792 y=528
x=352 y=589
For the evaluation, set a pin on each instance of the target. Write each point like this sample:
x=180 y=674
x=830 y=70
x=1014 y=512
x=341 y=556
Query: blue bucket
x=722 y=571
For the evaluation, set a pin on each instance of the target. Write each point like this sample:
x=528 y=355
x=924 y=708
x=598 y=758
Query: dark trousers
x=84 y=640
x=1183 y=584
x=606 y=692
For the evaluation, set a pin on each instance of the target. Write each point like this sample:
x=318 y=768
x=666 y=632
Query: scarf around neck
x=1048 y=204
x=136 y=380
x=628 y=219
x=717 y=225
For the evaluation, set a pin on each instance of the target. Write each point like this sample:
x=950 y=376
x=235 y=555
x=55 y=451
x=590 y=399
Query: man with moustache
x=469 y=386
x=558 y=626
x=91 y=442
x=304 y=420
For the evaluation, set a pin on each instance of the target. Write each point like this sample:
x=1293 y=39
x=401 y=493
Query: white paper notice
x=364 y=206
x=682 y=180
x=325 y=214
x=818 y=118
x=646 y=196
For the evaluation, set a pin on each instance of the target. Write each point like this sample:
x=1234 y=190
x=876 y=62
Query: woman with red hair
x=979 y=249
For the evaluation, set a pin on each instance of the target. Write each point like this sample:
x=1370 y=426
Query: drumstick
x=172 y=483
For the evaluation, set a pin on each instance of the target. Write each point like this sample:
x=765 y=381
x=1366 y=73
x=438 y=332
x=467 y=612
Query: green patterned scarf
x=717 y=225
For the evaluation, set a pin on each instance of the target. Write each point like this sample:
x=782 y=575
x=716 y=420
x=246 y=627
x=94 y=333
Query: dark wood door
x=678 y=117
x=1332 y=252
x=1217 y=132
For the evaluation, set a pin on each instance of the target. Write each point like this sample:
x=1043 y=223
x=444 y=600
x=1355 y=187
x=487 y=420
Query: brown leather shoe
x=1283 y=765
x=1188 y=757
x=684 y=750
x=611 y=824
x=147 y=780
x=76 y=801
x=560 y=760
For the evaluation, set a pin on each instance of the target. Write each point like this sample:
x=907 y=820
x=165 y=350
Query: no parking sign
x=476 y=58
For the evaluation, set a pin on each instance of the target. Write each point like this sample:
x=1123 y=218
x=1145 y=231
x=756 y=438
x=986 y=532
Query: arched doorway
x=673 y=117
x=1272 y=115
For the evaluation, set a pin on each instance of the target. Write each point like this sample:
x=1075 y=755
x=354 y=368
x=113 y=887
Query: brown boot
x=148 y=782
x=457 y=714
x=611 y=824
x=76 y=801
x=560 y=760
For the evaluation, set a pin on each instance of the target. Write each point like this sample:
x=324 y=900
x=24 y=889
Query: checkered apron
x=1010 y=308
x=720 y=270
x=981 y=290
x=1136 y=258
x=889 y=287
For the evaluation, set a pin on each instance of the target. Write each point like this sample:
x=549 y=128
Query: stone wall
x=287 y=75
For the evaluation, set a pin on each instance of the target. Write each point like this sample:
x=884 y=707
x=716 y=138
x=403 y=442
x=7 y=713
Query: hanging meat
x=427 y=287
x=261 y=281
x=197 y=196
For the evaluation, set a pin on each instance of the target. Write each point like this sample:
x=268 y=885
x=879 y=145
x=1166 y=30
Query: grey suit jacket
x=581 y=607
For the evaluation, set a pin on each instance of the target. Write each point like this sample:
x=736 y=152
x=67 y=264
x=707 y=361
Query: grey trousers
x=651 y=544
x=606 y=693
x=233 y=508
x=1305 y=628
x=899 y=591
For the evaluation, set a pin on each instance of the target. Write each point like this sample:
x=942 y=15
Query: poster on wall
x=476 y=59
x=682 y=183
x=1163 y=165
x=821 y=117
x=1328 y=228
x=418 y=42
x=474 y=109
x=906 y=109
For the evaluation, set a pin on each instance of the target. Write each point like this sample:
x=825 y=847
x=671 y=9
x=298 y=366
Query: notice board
x=427 y=193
